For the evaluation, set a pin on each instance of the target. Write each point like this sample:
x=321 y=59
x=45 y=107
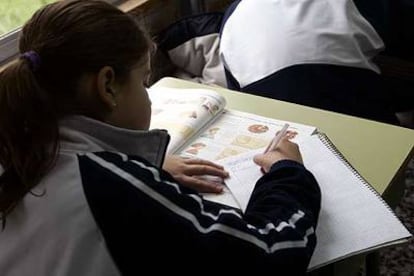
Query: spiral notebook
x=353 y=218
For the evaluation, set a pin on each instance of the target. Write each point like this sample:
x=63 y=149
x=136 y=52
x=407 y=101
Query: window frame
x=9 y=43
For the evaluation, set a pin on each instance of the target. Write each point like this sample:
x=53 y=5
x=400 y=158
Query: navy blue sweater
x=146 y=219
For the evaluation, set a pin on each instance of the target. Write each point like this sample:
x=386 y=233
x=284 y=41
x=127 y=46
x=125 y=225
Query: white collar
x=83 y=134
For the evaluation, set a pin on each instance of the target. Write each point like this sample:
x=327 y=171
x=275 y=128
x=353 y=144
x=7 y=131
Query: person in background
x=314 y=53
x=83 y=190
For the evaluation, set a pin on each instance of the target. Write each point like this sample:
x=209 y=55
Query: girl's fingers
x=200 y=185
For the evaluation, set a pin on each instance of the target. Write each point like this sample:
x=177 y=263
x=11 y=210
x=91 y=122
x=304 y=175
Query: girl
x=81 y=188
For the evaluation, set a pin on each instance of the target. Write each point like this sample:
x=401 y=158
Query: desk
x=380 y=152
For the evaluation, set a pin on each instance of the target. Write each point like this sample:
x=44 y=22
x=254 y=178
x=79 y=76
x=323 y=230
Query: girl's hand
x=286 y=150
x=201 y=175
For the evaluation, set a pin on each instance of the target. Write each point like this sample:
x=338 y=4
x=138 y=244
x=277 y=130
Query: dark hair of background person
x=72 y=38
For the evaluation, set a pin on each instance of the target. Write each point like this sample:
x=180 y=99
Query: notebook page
x=353 y=217
x=244 y=174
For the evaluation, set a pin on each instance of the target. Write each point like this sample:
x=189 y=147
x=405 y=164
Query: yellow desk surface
x=380 y=152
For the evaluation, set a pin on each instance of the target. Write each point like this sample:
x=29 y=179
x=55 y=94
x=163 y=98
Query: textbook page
x=353 y=218
x=234 y=133
x=183 y=111
x=232 y=140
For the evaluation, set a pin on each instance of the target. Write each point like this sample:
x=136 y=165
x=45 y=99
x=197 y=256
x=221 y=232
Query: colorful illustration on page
x=258 y=128
x=210 y=133
x=249 y=142
x=227 y=152
x=194 y=149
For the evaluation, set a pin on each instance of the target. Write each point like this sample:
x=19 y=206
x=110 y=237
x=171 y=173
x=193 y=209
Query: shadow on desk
x=348 y=267
x=399 y=260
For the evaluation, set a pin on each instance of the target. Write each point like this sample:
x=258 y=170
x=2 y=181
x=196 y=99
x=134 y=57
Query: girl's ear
x=105 y=85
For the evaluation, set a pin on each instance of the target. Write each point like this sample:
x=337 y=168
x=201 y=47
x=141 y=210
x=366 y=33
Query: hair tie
x=33 y=58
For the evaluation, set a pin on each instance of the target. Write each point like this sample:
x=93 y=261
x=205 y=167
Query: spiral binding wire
x=328 y=143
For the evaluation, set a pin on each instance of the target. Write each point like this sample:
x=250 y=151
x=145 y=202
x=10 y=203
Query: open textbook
x=353 y=219
x=201 y=127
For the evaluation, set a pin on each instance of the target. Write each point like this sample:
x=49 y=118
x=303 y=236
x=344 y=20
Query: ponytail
x=28 y=133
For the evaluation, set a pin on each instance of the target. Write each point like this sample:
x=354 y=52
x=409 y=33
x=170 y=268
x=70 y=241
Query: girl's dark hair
x=71 y=39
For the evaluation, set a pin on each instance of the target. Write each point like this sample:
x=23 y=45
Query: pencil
x=278 y=137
